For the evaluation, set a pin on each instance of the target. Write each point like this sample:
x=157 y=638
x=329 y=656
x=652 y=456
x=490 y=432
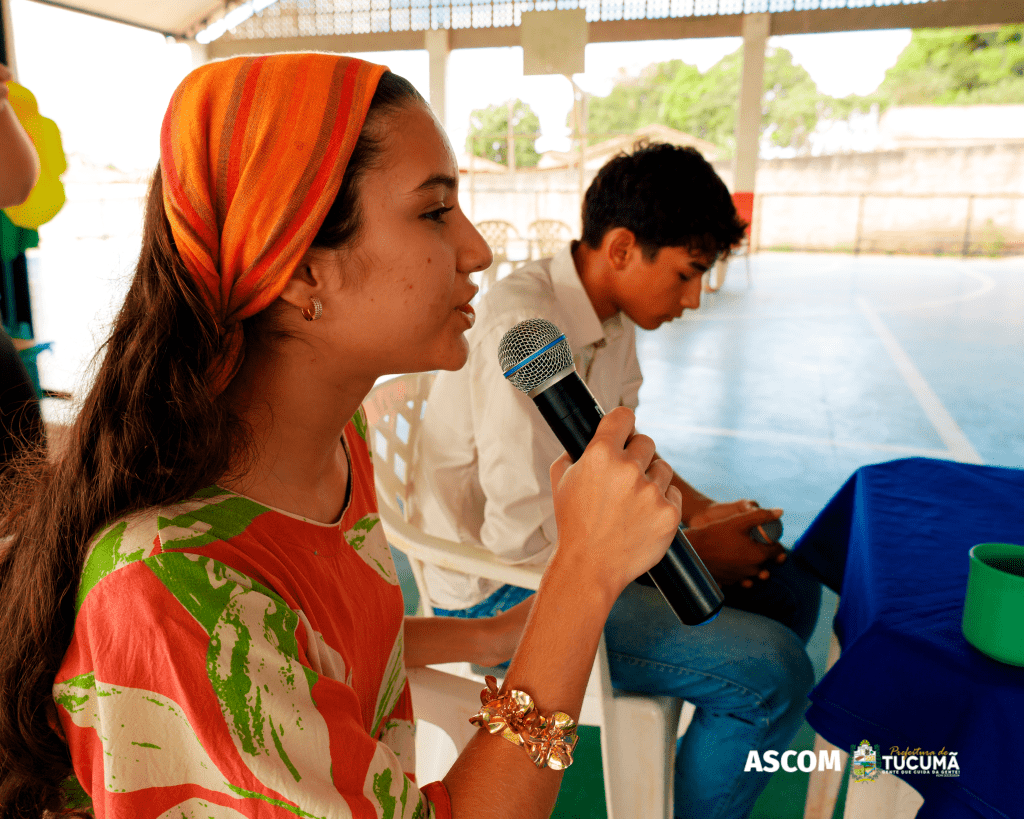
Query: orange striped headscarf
x=252 y=154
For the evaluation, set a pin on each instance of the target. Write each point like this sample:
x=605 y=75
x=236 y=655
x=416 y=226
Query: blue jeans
x=747 y=674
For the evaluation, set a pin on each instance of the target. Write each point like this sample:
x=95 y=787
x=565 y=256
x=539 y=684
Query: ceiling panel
x=177 y=17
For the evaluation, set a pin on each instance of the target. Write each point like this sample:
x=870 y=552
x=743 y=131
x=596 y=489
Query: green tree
x=680 y=96
x=488 y=133
x=705 y=104
x=957 y=66
x=633 y=101
x=938 y=67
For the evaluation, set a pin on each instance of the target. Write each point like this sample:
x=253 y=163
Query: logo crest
x=865 y=762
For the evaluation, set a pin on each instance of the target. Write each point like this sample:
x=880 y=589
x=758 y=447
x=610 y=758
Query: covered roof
x=178 y=18
x=609 y=20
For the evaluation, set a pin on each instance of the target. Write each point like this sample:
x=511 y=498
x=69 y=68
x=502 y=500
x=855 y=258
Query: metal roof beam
x=919 y=15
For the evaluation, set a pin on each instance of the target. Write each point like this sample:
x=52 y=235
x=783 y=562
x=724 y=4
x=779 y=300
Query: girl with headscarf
x=199 y=612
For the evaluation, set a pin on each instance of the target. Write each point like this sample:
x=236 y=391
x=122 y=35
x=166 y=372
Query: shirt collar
x=584 y=327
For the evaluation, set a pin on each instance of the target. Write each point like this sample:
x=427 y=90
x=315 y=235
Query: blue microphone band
x=534 y=356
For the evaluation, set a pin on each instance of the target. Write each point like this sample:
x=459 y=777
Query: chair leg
x=435 y=752
x=716 y=276
x=887 y=797
x=823 y=786
x=638 y=749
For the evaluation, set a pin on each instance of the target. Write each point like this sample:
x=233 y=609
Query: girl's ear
x=307 y=280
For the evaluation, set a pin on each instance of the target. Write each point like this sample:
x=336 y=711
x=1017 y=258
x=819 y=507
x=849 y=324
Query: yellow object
x=47 y=196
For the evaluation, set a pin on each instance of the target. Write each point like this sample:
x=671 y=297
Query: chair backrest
x=497 y=233
x=394 y=410
x=547 y=237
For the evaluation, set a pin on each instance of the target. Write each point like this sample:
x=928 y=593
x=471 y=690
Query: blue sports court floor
x=785 y=382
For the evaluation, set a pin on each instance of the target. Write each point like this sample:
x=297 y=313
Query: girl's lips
x=468 y=311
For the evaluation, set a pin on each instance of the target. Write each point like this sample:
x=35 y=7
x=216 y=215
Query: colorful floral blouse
x=232 y=660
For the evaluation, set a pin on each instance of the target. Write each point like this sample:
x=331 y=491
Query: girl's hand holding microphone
x=616 y=509
x=616 y=515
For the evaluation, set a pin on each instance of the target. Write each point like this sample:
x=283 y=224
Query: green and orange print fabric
x=232 y=660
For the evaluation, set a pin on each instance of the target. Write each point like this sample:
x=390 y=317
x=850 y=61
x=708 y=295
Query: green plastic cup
x=994 y=606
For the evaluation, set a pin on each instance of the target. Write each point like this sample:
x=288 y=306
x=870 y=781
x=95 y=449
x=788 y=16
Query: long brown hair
x=147 y=434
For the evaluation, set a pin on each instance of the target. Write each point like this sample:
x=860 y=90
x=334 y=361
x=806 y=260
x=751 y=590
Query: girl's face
x=400 y=301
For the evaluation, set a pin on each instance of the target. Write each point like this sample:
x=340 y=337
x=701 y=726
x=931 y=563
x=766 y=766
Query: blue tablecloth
x=894 y=543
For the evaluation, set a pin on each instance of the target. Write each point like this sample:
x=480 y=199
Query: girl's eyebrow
x=438 y=180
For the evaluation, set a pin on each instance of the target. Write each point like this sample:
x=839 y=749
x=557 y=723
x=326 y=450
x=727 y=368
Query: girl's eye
x=438 y=214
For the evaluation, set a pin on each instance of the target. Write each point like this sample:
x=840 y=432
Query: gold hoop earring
x=316 y=312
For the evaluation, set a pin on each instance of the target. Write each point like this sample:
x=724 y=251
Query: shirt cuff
x=437 y=795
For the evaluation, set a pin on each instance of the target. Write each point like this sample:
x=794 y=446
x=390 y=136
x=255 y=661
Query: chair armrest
x=460 y=557
x=447 y=701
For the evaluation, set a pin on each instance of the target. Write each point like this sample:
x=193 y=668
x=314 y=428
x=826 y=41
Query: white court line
x=771 y=437
x=987 y=283
x=960 y=449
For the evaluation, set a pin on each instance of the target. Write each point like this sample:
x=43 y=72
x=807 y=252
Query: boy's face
x=653 y=291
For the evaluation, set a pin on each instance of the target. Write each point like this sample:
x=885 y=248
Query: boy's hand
x=503 y=634
x=720 y=511
x=726 y=547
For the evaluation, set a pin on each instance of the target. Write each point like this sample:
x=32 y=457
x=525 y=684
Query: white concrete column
x=8 y=24
x=438 y=48
x=756 y=28
x=200 y=53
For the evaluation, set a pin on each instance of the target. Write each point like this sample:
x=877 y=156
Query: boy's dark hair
x=668 y=196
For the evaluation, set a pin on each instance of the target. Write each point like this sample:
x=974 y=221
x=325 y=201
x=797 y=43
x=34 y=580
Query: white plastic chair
x=638 y=732
x=503 y=240
x=547 y=237
x=715 y=277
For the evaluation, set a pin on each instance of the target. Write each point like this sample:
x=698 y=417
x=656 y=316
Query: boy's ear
x=620 y=244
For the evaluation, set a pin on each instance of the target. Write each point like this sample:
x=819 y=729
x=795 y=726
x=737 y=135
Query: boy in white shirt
x=653 y=222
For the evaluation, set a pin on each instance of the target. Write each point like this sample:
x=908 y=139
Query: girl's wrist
x=573 y=575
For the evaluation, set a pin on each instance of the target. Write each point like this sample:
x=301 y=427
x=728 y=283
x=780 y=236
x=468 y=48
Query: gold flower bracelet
x=548 y=741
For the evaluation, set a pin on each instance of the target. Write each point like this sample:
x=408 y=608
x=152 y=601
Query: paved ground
x=785 y=382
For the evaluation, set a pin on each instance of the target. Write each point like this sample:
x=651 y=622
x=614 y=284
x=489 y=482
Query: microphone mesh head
x=525 y=340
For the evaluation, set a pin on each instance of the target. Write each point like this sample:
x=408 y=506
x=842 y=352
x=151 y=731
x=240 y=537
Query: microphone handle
x=684 y=581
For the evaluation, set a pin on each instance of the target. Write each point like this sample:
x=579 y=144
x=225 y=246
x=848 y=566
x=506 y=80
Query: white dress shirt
x=480 y=468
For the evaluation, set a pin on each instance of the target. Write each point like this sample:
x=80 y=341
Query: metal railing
x=847 y=221
x=898 y=221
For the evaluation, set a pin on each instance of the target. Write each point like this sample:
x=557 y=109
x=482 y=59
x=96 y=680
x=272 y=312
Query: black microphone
x=536 y=358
